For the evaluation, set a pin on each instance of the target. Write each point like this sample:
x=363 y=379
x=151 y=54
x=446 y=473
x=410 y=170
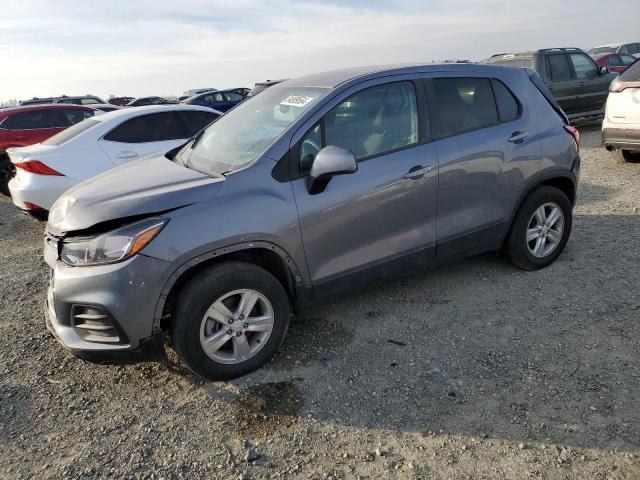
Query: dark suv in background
x=579 y=85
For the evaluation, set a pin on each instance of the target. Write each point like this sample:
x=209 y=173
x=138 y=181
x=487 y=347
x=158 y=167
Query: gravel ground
x=474 y=370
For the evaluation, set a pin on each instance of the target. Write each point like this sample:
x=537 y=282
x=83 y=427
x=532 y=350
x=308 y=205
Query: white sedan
x=44 y=171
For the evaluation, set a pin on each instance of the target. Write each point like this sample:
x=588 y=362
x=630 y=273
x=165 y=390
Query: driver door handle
x=126 y=154
x=517 y=137
x=418 y=171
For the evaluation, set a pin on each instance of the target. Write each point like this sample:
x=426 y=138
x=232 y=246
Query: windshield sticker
x=296 y=100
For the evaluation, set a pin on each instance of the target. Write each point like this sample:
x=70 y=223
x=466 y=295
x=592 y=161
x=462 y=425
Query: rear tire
x=209 y=312
x=540 y=229
x=7 y=171
x=623 y=156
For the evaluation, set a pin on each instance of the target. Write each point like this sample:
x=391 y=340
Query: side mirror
x=603 y=70
x=329 y=162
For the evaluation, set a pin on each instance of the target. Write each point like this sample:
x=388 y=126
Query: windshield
x=238 y=137
x=71 y=132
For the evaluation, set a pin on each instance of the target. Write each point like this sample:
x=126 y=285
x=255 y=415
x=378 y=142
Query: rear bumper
x=40 y=190
x=621 y=138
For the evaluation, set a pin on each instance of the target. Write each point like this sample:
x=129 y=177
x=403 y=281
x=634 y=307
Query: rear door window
x=464 y=104
x=154 y=127
x=35 y=120
x=193 y=122
x=89 y=101
x=614 y=61
x=558 y=68
x=583 y=66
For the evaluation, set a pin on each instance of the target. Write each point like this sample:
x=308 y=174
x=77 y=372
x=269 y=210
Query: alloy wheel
x=544 y=230
x=236 y=326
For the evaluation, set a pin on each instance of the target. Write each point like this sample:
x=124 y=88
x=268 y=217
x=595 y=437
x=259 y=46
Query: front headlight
x=113 y=246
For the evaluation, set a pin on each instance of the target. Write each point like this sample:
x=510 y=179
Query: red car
x=615 y=62
x=22 y=126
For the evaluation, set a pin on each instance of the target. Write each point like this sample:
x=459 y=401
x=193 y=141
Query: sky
x=157 y=47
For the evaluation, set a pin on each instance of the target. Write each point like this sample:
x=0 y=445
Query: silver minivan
x=314 y=186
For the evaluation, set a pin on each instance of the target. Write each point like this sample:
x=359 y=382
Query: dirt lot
x=475 y=370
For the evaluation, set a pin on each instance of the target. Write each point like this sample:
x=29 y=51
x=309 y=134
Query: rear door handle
x=517 y=137
x=418 y=171
x=126 y=154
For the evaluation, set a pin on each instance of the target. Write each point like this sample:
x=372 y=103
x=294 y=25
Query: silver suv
x=314 y=186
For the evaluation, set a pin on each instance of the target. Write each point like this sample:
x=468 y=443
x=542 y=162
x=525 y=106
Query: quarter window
x=76 y=115
x=154 y=127
x=508 y=107
x=464 y=104
x=583 y=66
x=558 y=69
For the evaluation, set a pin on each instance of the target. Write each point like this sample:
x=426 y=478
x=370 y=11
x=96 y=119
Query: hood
x=146 y=186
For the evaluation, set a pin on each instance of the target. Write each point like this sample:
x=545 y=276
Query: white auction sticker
x=296 y=100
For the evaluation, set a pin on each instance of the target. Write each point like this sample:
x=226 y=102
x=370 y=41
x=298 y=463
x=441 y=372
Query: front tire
x=229 y=320
x=540 y=229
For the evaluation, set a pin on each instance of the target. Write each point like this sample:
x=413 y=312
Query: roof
x=610 y=45
x=334 y=78
x=137 y=111
x=43 y=106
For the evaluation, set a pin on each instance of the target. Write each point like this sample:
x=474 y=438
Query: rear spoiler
x=542 y=88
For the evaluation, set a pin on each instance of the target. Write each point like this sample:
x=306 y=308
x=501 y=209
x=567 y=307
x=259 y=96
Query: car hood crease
x=145 y=186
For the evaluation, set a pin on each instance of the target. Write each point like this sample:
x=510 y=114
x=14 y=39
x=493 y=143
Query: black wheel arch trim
x=542 y=177
x=298 y=282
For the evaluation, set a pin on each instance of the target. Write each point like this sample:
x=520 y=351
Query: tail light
x=35 y=166
x=32 y=206
x=573 y=131
x=618 y=85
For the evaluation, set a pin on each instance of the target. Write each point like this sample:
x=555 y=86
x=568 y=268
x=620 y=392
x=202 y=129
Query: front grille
x=94 y=324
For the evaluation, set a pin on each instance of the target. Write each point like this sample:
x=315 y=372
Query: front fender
x=220 y=253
